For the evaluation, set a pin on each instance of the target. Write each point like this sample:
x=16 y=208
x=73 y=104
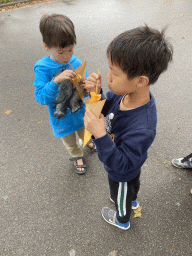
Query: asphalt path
x=45 y=207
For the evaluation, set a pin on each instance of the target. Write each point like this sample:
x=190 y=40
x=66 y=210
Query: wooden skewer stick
x=73 y=69
x=97 y=83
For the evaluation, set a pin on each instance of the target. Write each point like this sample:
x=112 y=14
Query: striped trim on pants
x=123 y=193
x=121 y=198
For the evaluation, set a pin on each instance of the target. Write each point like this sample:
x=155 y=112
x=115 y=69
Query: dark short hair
x=57 y=30
x=141 y=51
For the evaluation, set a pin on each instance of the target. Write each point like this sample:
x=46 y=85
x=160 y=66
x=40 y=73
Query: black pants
x=123 y=193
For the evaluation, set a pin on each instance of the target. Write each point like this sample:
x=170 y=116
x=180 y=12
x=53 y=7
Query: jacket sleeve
x=128 y=153
x=108 y=103
x=46 y=89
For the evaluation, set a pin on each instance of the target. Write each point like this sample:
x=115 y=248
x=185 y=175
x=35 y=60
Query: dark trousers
x=123 y=193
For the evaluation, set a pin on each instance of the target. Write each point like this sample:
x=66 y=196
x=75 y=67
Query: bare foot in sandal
x=80 y=167
x=80 y=162
x=92 y=146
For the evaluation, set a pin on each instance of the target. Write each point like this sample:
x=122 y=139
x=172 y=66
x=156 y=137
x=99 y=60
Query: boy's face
x=61 y=55
x=118 y=81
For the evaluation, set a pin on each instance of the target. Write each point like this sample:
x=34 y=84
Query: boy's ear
x=143 y=81
x=46 y=47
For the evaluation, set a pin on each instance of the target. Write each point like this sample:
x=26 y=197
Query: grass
x=4 y=1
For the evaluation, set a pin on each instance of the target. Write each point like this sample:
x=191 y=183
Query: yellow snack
x=95 y=107
x=80 y=75
x=94 y=97
x=76 y=80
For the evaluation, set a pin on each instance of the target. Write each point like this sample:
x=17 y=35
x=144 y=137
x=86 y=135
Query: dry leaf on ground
x=137 y=212
x=8 y=112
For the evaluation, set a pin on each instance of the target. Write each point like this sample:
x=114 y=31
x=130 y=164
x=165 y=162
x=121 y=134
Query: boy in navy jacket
x=136 y=59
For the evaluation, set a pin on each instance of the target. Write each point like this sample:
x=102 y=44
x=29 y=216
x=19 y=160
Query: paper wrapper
x=96 y=109
x=81 y=71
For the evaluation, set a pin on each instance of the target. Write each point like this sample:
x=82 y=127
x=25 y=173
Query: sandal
x=93 y=149
x=74 y=159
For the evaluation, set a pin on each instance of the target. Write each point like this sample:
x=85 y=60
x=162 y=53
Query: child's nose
x=69 y=55
x=108 y=77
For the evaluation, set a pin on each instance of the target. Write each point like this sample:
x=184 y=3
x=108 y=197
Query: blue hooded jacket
x=47 y=90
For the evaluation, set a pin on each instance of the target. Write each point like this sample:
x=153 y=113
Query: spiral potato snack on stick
x=95 y=104
x=94 y=97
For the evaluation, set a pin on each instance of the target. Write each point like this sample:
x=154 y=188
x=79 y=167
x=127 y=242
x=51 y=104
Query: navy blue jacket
x=134 y=132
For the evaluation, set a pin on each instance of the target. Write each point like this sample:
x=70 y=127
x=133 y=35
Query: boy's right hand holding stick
x=93 y=83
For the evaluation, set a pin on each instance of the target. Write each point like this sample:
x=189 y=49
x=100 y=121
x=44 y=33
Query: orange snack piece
x=94 y=97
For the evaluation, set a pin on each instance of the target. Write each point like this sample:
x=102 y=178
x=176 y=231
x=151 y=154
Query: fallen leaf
x=183 y=37
x=137 y=212
x=8 y=112
x=40 y=122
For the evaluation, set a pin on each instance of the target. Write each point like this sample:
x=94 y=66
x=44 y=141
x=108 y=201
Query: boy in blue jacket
x=59 y=38
x=136 y=59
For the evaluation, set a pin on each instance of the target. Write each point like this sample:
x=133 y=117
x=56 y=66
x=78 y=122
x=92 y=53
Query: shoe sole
x=111 y=200
x=112 y=223
x=177 y=165
x=134 y=208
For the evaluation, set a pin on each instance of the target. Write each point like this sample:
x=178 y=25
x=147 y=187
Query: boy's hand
x=91 y=82
x=66 y=74
x=96 y=126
